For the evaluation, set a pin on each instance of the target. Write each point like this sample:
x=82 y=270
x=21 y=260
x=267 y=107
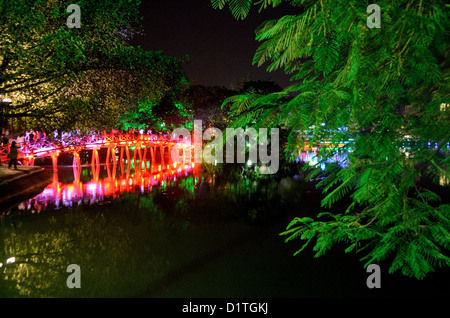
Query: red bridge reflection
x=101 y=190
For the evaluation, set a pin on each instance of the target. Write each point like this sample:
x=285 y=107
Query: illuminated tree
x=64 y=77
x=159 y=114
x=388 y=87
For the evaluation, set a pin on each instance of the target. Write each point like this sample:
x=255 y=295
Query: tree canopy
x=384 y=89
x=61 y=77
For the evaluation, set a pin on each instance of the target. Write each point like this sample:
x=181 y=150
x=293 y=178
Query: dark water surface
x=179 y=234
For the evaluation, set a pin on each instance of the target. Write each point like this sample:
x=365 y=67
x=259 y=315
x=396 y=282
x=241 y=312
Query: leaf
x=240 y=8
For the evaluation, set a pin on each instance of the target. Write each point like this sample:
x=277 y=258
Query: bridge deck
x=46 y=148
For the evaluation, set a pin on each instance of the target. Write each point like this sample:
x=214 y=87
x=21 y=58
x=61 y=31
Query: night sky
x=220 y=47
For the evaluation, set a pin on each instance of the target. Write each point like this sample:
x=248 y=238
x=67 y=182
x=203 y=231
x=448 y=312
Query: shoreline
x=16 y=185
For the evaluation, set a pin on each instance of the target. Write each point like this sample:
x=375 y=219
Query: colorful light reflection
x=98 y=191
x=312 y=158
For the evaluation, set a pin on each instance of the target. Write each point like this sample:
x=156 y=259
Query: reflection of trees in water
x=100 y=243
x=38 y=256
x=128 y=244
x=236 y=191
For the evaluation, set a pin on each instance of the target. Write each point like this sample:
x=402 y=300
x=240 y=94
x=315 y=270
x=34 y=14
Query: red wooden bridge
x=146 y=147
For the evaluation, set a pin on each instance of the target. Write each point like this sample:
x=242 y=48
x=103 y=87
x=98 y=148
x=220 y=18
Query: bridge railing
x=4 y=150
x=45 y=146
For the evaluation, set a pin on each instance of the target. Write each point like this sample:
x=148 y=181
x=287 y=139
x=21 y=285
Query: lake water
x=181 y=233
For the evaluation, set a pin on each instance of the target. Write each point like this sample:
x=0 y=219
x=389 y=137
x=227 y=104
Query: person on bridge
x=31 y=137
x=13 y=154
x=4 y=140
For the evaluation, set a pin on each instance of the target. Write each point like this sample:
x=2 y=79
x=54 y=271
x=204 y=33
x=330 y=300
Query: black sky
x=220 y=47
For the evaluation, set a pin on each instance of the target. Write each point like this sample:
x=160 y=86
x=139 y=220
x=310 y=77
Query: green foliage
x=165 y=114
x=84 y=78
x=345 y=74
x=241 y=8
x=139 y=116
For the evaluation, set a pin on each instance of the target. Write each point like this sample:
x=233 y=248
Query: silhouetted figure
x=13 y=154
x=4 y=141
x=31 y=137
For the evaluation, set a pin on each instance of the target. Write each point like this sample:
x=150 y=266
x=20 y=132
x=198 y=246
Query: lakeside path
x=19 y=184
x=8 y=175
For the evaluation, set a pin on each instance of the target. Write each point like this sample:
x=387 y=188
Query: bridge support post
x=153 y=159
x=186 y=155
x=55 y=160
x=107 y=155
x=29 y=161
x=95 y=159
x=76 y=166
x=95 y=163
x=127 y=153
x=121 y=159
x=111 y=152
x=114 y=163
x=162 y=157
x=135 y=157
x=169 y=162
x=139 y=145
x=76 y=160
x=144 y=159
